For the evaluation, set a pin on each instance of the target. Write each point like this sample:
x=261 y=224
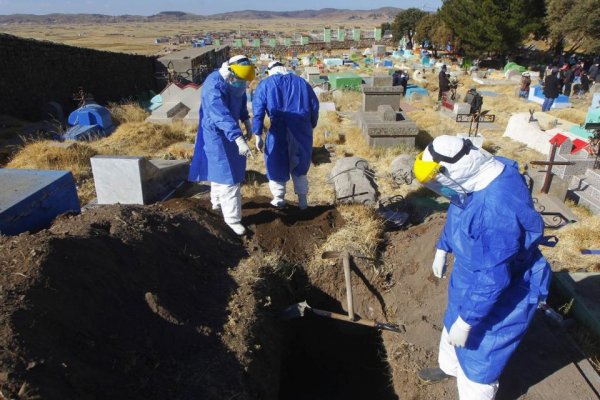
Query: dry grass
x=574 y=115
x=328 y=130
x=350 y=101
x=584 y=234
x=128 y=112
x=180 y=151
x=51 y=155
x=361 y=234
x=142 y=139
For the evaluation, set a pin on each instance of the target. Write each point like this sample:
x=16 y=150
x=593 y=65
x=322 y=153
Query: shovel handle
x=348 y=279
x=342 y=317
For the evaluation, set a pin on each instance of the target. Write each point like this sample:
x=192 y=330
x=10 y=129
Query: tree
x=497 y=26
x=432 y=28
x=386 y=26
x=405 y=23
x=574 y=23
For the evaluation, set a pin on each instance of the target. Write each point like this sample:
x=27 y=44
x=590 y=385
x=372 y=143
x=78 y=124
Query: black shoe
x=432 y=375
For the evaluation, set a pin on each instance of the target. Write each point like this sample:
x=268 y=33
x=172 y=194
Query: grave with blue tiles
x=536 y=94
x=31 y=199
x=90 y=121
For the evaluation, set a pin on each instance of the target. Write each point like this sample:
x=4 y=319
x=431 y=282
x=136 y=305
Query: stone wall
x=33 y=72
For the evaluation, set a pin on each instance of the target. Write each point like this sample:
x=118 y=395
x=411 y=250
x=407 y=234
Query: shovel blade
x=295 y=311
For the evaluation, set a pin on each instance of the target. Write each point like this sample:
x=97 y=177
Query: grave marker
x=31 y=199
x=136 y=180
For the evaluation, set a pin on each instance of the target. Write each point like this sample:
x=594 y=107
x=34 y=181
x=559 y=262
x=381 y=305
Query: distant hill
x=384 y=13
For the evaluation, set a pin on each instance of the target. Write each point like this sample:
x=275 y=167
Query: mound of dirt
x=131 y=302
x=291 y=232
x=119 y=302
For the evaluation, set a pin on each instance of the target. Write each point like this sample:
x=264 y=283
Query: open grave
x=163 y=301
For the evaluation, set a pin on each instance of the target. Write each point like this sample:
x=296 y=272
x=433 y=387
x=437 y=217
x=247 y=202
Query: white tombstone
x=462 y=108
x=520 y=129
x=136 y=180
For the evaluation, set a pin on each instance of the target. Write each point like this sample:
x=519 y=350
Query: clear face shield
x=445 y=186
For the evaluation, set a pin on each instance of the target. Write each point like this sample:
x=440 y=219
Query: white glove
x=243 y=148
x=259 y=142
x=439 y=263
x=459 y=332
x=248 y=126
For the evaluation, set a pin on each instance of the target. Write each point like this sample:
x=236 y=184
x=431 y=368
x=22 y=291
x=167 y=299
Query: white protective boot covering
x=278 y=191
x=301 y=189
x=467 y=389
x=230 y=198
x=214 y=196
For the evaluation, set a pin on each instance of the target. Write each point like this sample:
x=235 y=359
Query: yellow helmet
x=425 y=170
x=242 y=68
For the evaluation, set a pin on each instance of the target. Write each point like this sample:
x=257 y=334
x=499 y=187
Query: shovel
x=298 y=310
x=345 y=256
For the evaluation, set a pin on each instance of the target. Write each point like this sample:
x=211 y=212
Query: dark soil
x=127 y=302
x=163 y=302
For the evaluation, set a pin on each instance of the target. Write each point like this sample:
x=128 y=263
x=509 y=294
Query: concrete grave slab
x=382 y=80
x=584 y=288
x=136 y=180
x=31 y=199
x=586 y=190
x=326 y=106
x=582 y=160
x=375 y=96
x=178 y=103
x=401 y=169
x=520 y=129
x=414 y=93
x=387 y=127
x=461 y=108
x=352 y=183
x=536 y=95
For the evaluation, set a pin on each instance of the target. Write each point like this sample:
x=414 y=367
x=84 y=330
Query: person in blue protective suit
x=221 y=150
x=293 y=109
x=499 y=275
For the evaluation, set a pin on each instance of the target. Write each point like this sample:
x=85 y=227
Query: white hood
x=474 y=171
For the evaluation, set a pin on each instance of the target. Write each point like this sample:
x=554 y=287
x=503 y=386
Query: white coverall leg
x=278 y=192
x=214 y=196
x=301 y=189
x=467 y=389
x=230 y=198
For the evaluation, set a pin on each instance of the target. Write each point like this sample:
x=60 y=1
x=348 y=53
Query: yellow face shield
x=244 y=72
x=432 y=175
x=425 y=171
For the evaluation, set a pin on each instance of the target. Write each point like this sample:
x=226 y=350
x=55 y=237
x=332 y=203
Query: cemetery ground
x=94 y=306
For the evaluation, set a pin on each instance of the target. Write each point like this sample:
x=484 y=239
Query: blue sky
x=149 y=7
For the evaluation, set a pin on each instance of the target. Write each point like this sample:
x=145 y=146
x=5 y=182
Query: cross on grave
x=478 y=117
x=550 y=163
x=531 y=117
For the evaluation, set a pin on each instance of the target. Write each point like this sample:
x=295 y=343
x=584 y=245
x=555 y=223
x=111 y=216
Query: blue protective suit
x=499 y=274
x=293 y=108
x=216 y=155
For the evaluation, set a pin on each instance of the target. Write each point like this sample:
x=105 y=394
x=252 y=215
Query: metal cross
x=550 y=163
